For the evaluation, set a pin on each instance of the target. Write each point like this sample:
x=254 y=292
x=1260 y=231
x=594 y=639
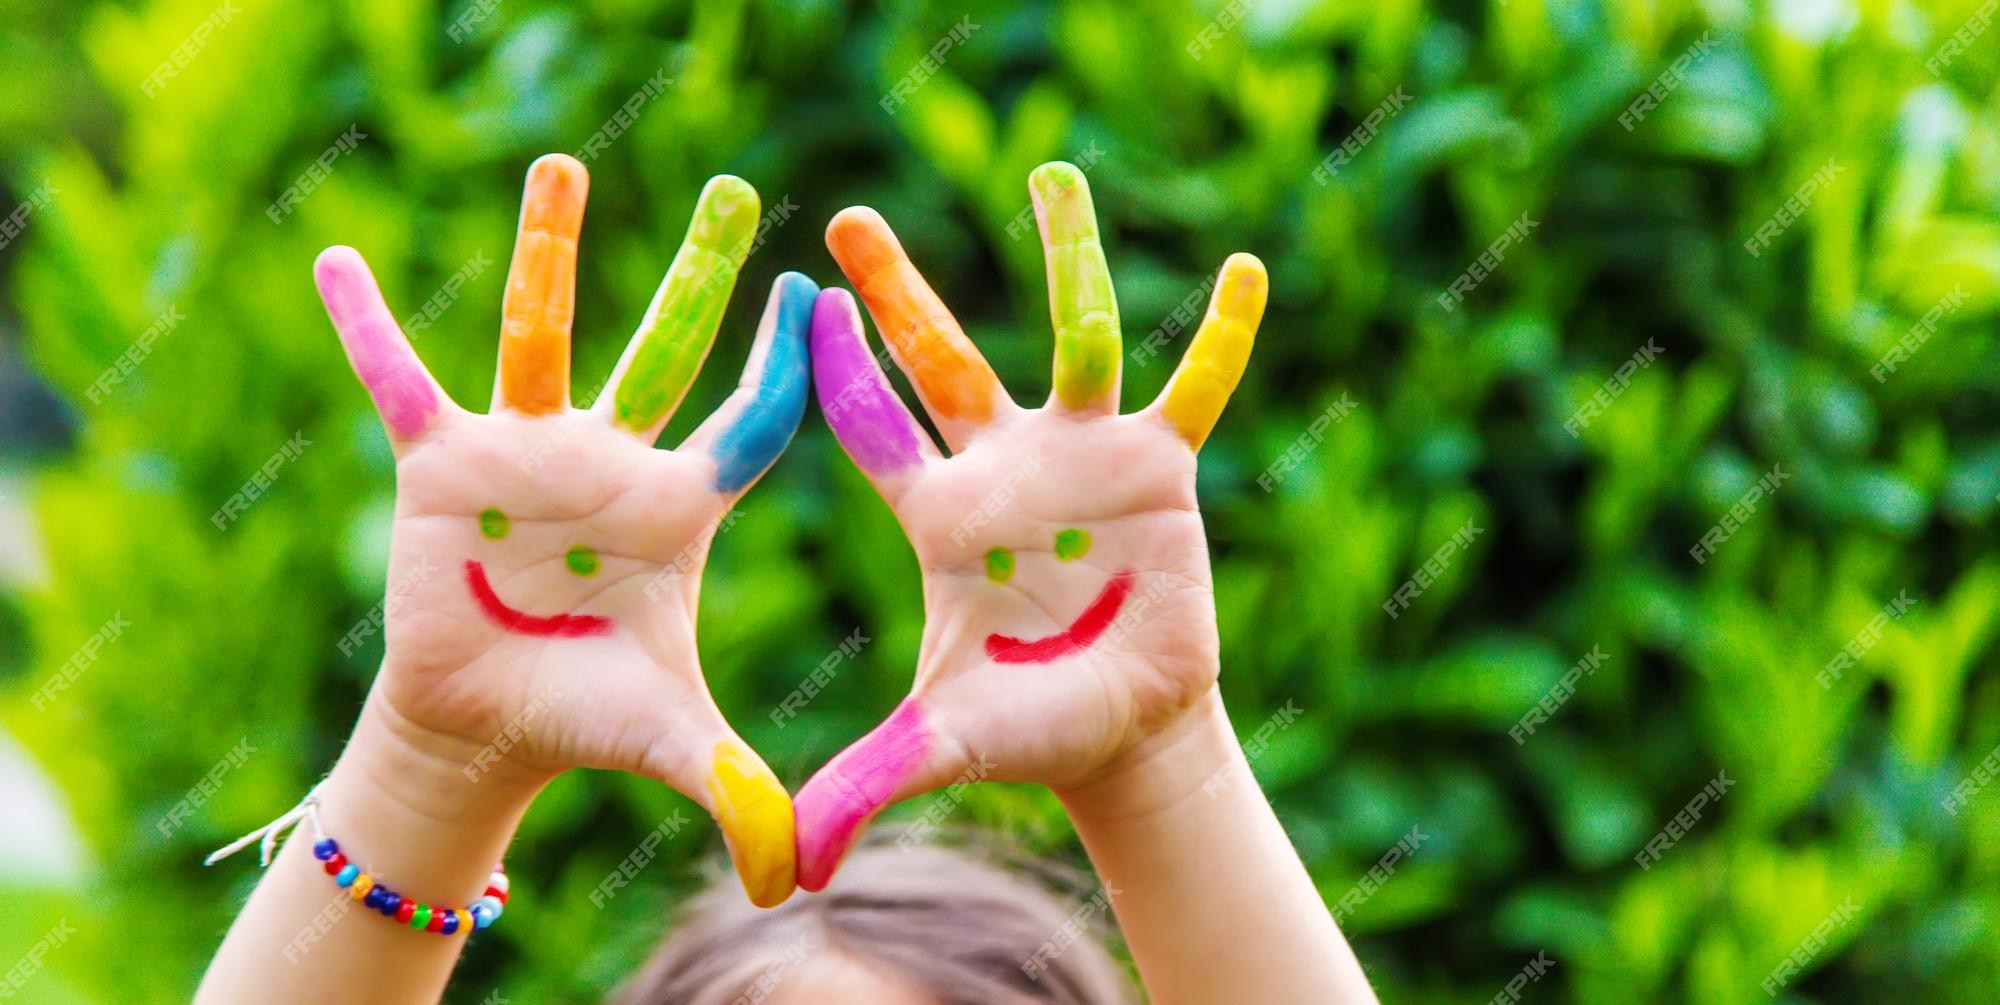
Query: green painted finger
x=667 y=351
x=1081 y=302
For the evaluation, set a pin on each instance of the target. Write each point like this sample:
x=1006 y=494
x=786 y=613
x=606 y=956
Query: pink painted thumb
x=843 y=796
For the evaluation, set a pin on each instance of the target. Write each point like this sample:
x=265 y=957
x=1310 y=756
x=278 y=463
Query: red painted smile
x=1078 y=636
x=522 y=623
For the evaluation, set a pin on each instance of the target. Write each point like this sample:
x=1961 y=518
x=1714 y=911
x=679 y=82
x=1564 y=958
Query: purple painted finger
x=381 y=355
x=843 y=796
x=872 y=423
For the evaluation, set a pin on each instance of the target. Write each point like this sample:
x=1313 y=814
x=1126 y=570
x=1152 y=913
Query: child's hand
x=545 y=561
x=1066 y=583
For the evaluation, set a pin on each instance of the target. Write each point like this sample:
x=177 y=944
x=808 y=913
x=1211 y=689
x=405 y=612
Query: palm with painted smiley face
x=1069 y=610
x=545 y=560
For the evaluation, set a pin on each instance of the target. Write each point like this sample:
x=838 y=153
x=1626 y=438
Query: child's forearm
x=411 y=817
x=1209 y=893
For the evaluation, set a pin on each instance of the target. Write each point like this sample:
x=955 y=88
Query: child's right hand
x=545 y=561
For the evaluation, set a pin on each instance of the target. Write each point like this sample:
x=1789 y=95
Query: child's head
x=897 y=926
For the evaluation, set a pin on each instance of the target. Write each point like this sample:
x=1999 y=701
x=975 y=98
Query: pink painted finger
x=404 y=392
x=869 y=419
x=893 y=762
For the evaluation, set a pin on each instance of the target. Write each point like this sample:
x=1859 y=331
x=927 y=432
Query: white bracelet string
x=307 y=809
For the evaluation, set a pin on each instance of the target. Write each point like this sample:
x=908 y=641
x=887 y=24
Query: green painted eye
x=493 y=524
x=1000 y=565
x=582 y=560
x=1072 y=544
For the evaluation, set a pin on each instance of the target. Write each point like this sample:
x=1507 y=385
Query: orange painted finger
x=541 y=289
x=956 y=384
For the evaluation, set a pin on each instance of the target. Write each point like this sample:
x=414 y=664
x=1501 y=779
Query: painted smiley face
x=581 y=560
x=1071 y=545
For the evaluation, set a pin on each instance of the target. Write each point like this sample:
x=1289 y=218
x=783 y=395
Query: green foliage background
x=1459 y=415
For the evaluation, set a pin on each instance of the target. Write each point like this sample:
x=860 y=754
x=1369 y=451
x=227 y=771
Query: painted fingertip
x=376 y=347
x=858 y=403
x=725 y=217
x=558 y=164
x=835 y=317
x=1244 y=288
x=755 y=812
x=1055 y=179
x=1215 y=360
x=1082 y=306
x=1063 y=204
x=334 y=260
x=843 y=796
x=557 y=187
x=861 y=241
x=680 y=325
x=954 y=380
x=540 y=301
x=761 y=431
x=347 y=289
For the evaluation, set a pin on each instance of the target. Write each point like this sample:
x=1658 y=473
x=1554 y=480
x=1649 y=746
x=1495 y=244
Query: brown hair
x=960 y=927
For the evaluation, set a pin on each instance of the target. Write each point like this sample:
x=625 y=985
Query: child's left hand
x=1069 y=617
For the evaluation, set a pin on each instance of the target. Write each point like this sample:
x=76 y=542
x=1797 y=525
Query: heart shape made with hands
x=1069 y=614
x=539 y=538
x=1068 y=599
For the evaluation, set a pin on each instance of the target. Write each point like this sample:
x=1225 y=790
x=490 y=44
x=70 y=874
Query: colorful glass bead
x=464 y=919
x=497 y=894
x=362 y=884
x=498 y=882
x=493 y=906
x=450 y=924
x=421 y=917
x=372 y=900
x=325 y=849
x=391 y=902
x=482 y=918
x=347 y=875
x=335 y=864
x=405 y=912
x=436 y=924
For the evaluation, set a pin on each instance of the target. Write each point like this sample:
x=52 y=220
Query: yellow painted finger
x=541 y=289
x=1194 y=399
x=755 y=812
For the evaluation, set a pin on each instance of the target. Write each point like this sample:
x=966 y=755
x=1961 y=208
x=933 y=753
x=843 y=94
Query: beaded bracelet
x=371 y=892
x=378 y=897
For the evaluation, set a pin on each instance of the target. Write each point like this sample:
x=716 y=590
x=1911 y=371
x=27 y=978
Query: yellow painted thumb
x=755 y=812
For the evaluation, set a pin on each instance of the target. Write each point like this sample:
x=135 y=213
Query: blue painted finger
x=774 y=388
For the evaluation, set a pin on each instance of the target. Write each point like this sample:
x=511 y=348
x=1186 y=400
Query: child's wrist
x=403 y=810
x=449 y=780
x=1194 y=753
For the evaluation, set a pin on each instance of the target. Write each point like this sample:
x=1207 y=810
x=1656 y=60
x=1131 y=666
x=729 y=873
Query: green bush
x=1203 y=131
